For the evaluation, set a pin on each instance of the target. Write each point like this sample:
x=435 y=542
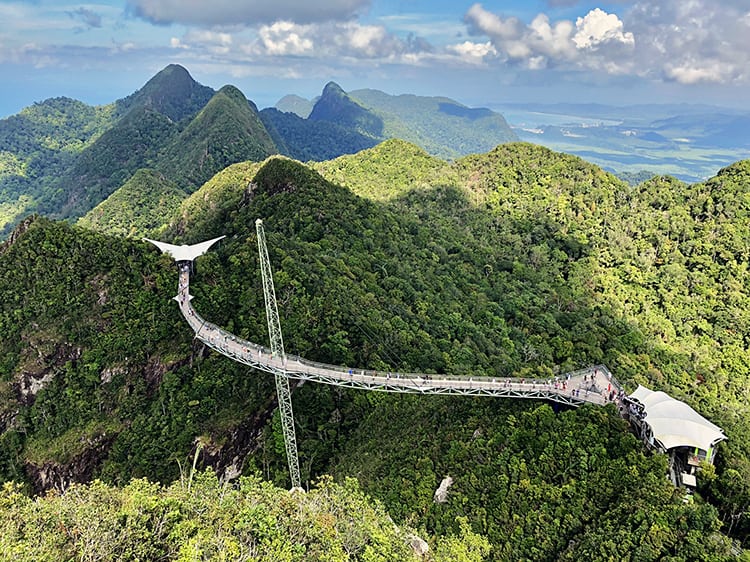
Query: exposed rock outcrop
x=441 y=494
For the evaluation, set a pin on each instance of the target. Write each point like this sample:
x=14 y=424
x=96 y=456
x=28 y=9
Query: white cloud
x=472 y=53
x=599 y=27
x=687 y=73
x=684 y=41
x=693 y=41
x=482 y=21
x=467 y=48
x=551 y=41
x=286 y=38
x=543 y=43
x=326 y=41
x=209 y=37
x=244 y=12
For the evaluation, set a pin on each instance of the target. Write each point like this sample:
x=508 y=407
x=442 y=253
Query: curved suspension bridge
x=594 y=385
x=575 y=388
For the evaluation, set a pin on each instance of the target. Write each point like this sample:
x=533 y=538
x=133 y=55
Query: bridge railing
x=219 y=338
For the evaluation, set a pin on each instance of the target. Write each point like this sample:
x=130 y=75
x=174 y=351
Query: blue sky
x=479 y=53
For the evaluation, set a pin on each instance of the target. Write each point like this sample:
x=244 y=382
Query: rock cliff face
x=79 y=469
x=42 y=358
x=227 y=457
x=17 y=232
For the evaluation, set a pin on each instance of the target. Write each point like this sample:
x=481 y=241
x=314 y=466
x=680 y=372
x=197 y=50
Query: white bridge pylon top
x=594 y=385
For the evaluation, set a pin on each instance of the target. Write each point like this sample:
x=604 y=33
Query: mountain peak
x=171 y=92
x=236 y=95
x=336 y=106
x=227 y=130
x=332 y=89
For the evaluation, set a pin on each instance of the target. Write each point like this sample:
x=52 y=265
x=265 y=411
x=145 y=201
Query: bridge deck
x=590 y=385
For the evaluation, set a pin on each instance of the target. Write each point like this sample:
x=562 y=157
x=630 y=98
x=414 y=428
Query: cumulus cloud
x=244 y=12
x=473 y=52
x=325 y=49
x=480 y=21
x=675 y=40
x=598 y=27
x=286 y=38
x=330 y=40
x=695 y=41
x=695 y=72
x=543 y=43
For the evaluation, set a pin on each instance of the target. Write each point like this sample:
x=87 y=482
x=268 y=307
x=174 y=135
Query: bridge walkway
x=593 y=385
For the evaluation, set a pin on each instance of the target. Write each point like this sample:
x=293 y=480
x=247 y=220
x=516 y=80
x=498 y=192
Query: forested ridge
x=61 y=158
x=518 y=262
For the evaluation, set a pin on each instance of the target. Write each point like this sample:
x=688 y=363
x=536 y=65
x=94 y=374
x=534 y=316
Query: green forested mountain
x=103 y=166
x=518 y=261
x=292 y=103
x=336 y=106
x=227 y=130
x=61 y=158
x=140 y=206
x=40 y=143
x=336 y=125
x=172 y=92
x=202 y=213
x=388 y=171
x=307 y=140
x=440 y=125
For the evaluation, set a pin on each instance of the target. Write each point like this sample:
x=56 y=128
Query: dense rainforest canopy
x=519 y=262
x=62 y=158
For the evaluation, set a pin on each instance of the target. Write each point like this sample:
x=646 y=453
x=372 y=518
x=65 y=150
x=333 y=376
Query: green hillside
x=205 y=212
x=336 y=106
x=442 y=126
x=61 y=158
x=141 y=125
x=307 y=140
x=38 y=145
x=101 y=168
x=139 y=208
x=518 y=261
x=387 y=171
x=345 y=123
x=226 y=131
x=172 y=92
x=200 y=518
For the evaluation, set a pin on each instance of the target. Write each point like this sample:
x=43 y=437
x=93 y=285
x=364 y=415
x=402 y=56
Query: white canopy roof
x=184 y=252
x=674 y=423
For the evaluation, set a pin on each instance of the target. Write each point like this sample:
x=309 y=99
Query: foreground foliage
x=202 y=519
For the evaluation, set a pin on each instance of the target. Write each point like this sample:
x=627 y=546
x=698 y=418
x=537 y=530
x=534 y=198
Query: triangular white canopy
x=674 y=423
x=184 y=252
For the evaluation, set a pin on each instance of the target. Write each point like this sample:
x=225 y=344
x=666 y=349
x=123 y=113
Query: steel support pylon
x=277 y=348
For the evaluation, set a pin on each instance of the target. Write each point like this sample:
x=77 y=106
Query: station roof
x=674 y=423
